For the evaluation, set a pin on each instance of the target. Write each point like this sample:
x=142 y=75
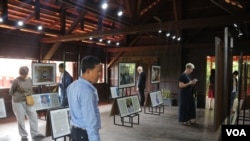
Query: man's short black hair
x=89 y=62
x=235 y=73
x=61 y=65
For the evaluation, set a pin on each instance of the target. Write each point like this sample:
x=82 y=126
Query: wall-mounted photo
x=156 y=98
x=43 y=73
x=126 y=74
x=155 y=74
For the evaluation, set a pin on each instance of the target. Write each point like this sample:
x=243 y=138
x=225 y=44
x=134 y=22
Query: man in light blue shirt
x=83 y=102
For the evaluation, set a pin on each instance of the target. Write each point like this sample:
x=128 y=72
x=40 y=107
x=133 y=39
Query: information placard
x=156 y=98
x=60 y=122
x=2 y=109
x=128 y=105
x=115 y=92
x=46 y=101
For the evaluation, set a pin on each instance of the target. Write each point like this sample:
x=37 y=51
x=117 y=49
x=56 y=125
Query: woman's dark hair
x=24 y=70
x=89 y=62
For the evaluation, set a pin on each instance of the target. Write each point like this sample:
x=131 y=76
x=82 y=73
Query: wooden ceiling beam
x=96 y=9
x=56 y=45
x=239 y=45
x=170 y=25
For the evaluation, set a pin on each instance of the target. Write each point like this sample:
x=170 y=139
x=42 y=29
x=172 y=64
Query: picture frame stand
x=157 y=110
x=128 y=121
x=154 y=110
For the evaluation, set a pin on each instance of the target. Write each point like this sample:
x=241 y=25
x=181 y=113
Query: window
x=10 y=70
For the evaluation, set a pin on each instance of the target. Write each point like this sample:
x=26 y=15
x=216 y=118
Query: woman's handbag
x=30 y=100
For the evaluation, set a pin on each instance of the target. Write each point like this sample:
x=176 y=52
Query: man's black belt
x=77 y=127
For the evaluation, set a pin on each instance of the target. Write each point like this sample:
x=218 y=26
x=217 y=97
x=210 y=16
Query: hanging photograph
x=126 y=74
x=155 y=74
x=43 y=73
x=128 y=105
x=2 y=109
x=156 y=98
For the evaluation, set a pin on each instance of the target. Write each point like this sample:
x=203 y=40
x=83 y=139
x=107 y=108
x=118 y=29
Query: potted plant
x=167 y=97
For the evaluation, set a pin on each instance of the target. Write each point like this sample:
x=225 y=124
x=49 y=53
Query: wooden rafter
x=182 y=24
x=56 y=45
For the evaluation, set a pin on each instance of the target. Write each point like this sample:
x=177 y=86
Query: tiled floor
x=163 y=127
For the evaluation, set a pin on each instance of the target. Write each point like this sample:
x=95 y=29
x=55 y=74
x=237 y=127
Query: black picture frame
x=60 y=122
x=155 y=74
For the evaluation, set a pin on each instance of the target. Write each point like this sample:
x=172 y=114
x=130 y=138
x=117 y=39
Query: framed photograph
x=155 y=74
x=2 y=109
x=128 y=105
x=156 y=98
x=116 y=92
x=43 y=73
x=45 y=100
x=126 y=72
x=60 y=122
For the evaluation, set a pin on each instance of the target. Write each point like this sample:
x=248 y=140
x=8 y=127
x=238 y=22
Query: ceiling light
x=179 y=39
x=119 y=13
x=235 y=25
x=159 y=31
x=104 y=6
x=117 y=43
x=173 y=37
x=240 y=33
x=167 y=34
x=90 y=38
x=1 y=20
x=20 y=23
x=40 y=27
x=100 y=40
x=108 y=41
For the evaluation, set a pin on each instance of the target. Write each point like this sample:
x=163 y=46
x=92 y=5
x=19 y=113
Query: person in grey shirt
x=21 y=87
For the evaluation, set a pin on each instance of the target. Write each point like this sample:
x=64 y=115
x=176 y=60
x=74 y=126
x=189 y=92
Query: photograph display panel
x=46 y=101
x=60 y=122
x=156 y=98
x=126 y=74
x=43 y=73
x=128 y=105
x=115 y=92
x=2 y=109
x=155 y=74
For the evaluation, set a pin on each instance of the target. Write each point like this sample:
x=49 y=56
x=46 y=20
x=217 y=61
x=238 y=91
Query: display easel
x=149 y=109
x=127 y=121
x=49 y=127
